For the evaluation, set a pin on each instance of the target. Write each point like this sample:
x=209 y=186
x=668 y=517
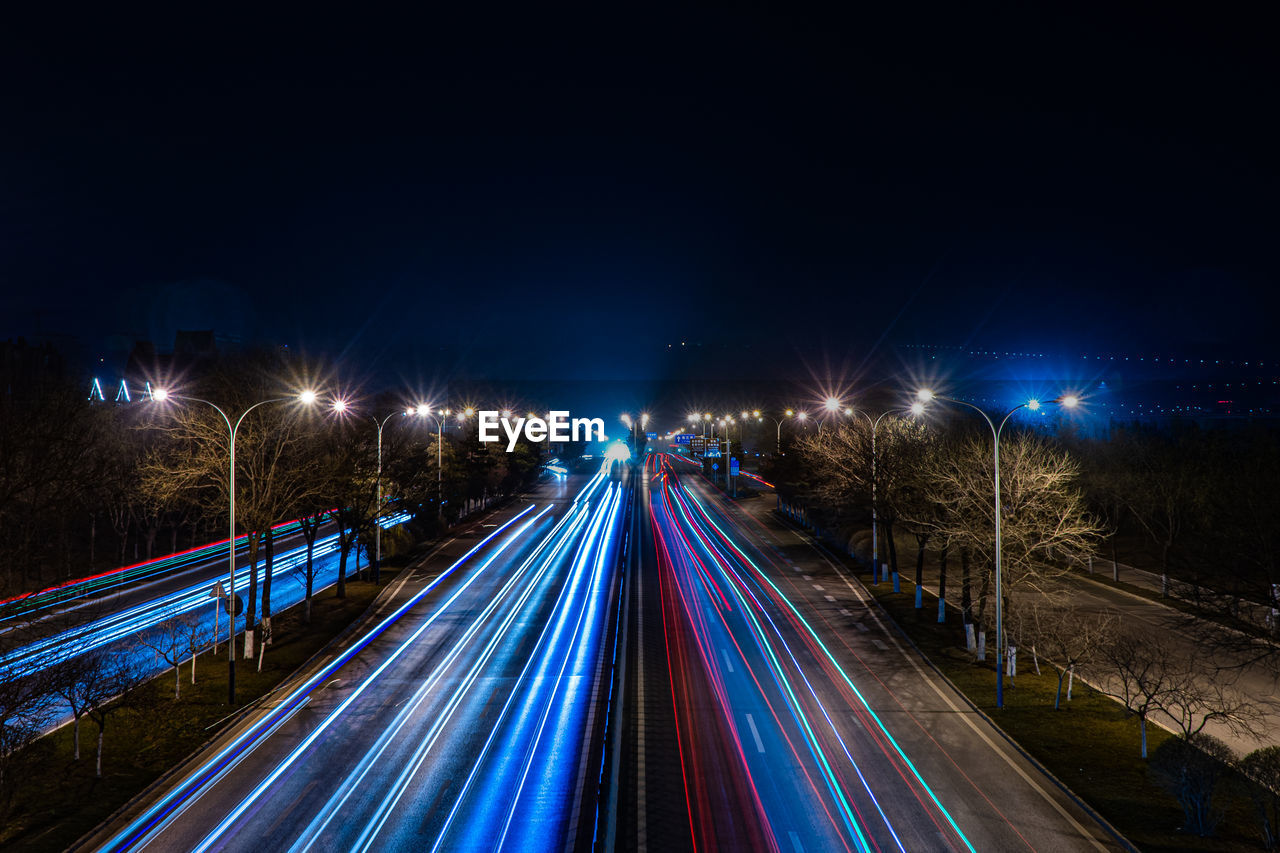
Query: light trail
x=212 y=768
x=193 y=598
x=529 y=630
x=513 y=757
x=684 y=528
x=570 y=522
x=786 y=602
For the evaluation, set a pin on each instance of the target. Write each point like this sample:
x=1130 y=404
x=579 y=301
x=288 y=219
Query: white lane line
x=795 y=568
x=860 y=627
x=830 y=598
x=808 y=577
x=755 y=733
x=845 y=612
x=727 y=662
x=795 y=841
x=879 y=644
x=819 y=587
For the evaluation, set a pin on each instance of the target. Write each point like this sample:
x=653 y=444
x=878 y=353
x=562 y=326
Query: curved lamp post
x=1069 y=402
x=307 y=398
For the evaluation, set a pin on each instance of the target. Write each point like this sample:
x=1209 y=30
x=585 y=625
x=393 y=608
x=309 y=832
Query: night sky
x=564 y=196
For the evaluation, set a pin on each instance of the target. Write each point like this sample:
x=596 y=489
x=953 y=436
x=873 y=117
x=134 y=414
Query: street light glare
x=924 y=395
x=1071 y=401
x=832 y=404
x=802 y=416
x=307 y=397
x=917 y=408
x=423 y=409
x=1033 y=404
x=789 y=413
x=848 y=411
x=160 y=395
x=339 y=406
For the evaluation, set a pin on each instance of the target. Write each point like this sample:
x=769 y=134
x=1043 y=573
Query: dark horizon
x=565 y=198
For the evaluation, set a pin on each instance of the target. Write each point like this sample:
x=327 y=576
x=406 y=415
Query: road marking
x=860 y=627
x=844 y=612
x=879 y=644
x=819 y=587
x=830 y=598
x=808 y=577
x=727 y=662
x=795 y=841
x=795 y=568
x=755 y=733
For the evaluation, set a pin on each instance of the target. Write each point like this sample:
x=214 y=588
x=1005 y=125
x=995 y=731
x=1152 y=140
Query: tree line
x=1198 y=508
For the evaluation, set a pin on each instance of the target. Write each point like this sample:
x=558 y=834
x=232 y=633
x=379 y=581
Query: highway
x=172 y=587
x=801 y=722
x=464 y=713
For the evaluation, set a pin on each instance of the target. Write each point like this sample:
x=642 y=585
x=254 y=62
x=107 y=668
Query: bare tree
x=26 y=707
x=1045 y=524
x=838 y=462
x=122 y=677
x=196 y=637
x=1164 y=488
x=168 y=641
x=1065 y=636
x=1150 y=676
x=81 y=682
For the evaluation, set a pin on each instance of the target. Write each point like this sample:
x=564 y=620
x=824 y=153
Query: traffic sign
x=733 y=467
x=715 y=466
x=712 y=453
x=651 y=435
x=684 y=438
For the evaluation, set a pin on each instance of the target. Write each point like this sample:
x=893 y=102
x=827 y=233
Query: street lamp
x=1069 y=401
x=341 y=406
x=307 y=398
x=422 y=410
x=916 y=409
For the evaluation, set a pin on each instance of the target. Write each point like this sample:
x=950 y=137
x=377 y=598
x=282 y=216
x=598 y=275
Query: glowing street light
x=307 y=398
x=924 y=395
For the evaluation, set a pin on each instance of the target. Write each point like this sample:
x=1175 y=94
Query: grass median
x=1091 y=745
x=61 y=799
